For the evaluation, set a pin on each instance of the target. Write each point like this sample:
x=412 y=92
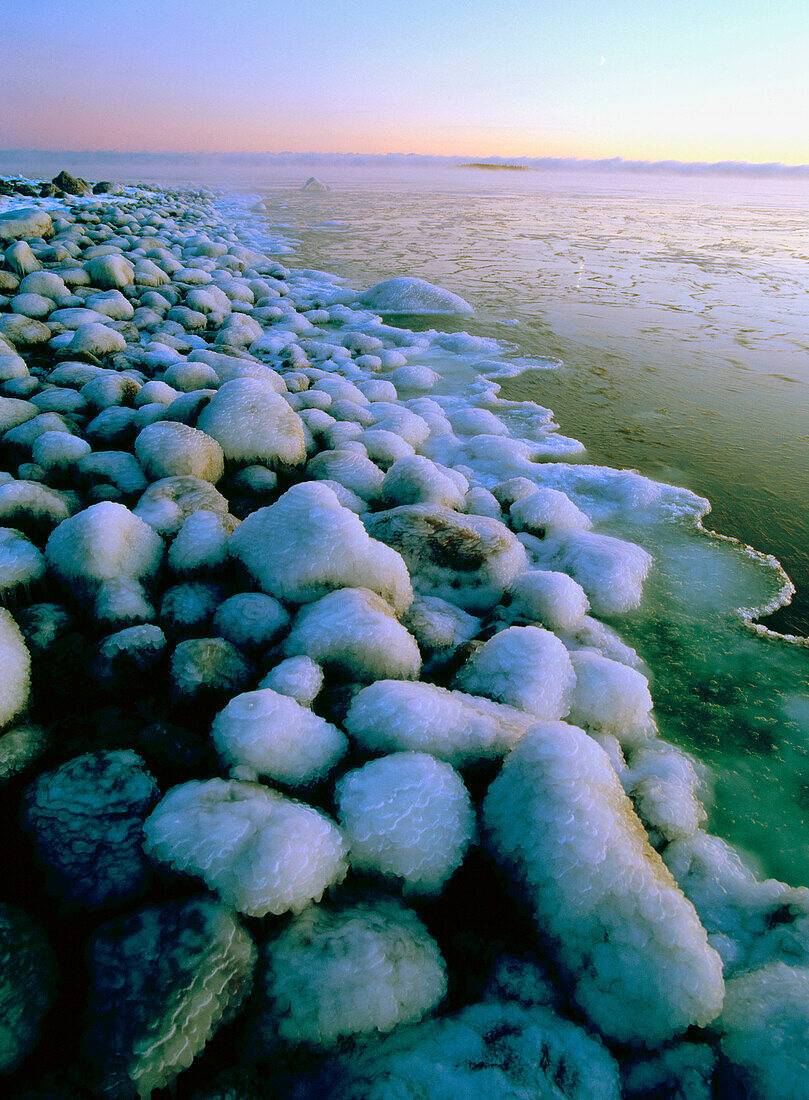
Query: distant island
x=506 y=167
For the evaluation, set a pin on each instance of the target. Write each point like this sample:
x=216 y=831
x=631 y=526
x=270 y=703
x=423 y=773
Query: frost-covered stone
x=307 y=543
x=96 y=339
x=85 y=820
x=15 y=662
x=162 y=981
x=261 y=852
x=547 y=510
x=207 y=666
x=665 y=788
x=393 y=716
x=467 y=560
x=125 y=656
x=611 y=571
x=351 y=971
x=169 y=449
x=619 y=928
x=252 y=423
x=265 y=733
x=251 y=620
x=524 y=667
x=765 y=1029
x=28 y=222
x=553 y=599
x=411 y=295
x=32 y=506
x=350 y=468
x=438 y=625
x=407 y=816
x=21 y=564
x=106 y=554
x=299 y=677
x=168 y=503
x=418 y=480
x=610 y=697
x=496 y=1051
x=110 y=272
x=58 y=450
x=355 y=631
x=202 y=542
x=28 y=976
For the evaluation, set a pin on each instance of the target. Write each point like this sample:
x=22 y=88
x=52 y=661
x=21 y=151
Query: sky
x=691 y=80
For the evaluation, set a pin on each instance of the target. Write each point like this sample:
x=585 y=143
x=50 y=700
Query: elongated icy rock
x=631 y=944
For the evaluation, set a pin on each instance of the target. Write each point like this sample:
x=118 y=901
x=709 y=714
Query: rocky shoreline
x=322 y=774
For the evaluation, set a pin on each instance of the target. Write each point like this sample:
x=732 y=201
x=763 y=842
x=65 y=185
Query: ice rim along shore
x=312 y=727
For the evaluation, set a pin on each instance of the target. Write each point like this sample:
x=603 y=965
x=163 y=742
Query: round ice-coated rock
x=355 y=970
x=260 y=851
x=86 y=820
x=110 y=272
x=411 y=295
x=15 y=661
x=29 y=222
x=169 y=449
x=407 y=816
x=252 y=423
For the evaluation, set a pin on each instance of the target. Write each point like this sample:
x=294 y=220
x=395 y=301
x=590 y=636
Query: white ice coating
x=393 y=716
x=355 y=631
x=407 y=816
x=354 y=971
x=252 y=423
x=525 y=667
x=635 y=952
x=307 y=543
x=169 y=449
x=411 y=295
x=269 y=734
x=261 y=852
x=15 y=662
x=610 y=697
x=552 y=599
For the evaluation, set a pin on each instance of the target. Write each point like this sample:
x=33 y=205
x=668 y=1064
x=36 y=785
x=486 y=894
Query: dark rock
x=104 y=187
x=47 y=191
x=73 y=185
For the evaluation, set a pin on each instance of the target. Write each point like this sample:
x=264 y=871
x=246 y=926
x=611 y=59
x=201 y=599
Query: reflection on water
x=677 y=317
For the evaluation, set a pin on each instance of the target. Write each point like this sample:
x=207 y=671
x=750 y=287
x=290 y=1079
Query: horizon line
x=587 y=163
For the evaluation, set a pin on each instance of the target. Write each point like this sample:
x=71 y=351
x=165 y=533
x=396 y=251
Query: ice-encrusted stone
x=261 y=852
x=307 y=544
x=524 y=667
x=86 y=820
x=265 y=733
x=394 y=715
x=618 y=926
x=610 y=697
x=350 y=971
x=253 y=423
x=29 y=222
x=162 y=982
x=28 y=976
x=412 y=295
x=467 y=560
x=169 y=449
x=407 y=816
x=15 y=661
x=553 y=599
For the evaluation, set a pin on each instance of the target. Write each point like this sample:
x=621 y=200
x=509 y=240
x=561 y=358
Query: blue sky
x=642 y=79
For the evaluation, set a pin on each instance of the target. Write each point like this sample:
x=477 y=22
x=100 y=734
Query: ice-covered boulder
x=553 y=599
x=300 y=678
x=619 y=928
x=96 y=339
x=314 y=185
x=307 y=544
x=611 y=571
x=207 y=668
x=202 y=542
x=412 y=295
x=261 y=852
x=467 y=560
x=162 y=981
x=351 y=971
x=167 y=504
x=355 y=631
x=20 y=565
x=610 y=697
x=547 y=510
x=419 y=480
x=667 y=791
x=351 y=468
x=439 y=626
x=765 y=1032
x=28 y=976
x=110 y=272
x=265 y=733
x=105 y=554
x=251 y=620
x=86 y=820
x=15 y=661
x=29 y=222
x=169 y=449
x=406 y=816
x=253 y=423
x=491 y=1051
x=394 y=716
x=524 y=667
